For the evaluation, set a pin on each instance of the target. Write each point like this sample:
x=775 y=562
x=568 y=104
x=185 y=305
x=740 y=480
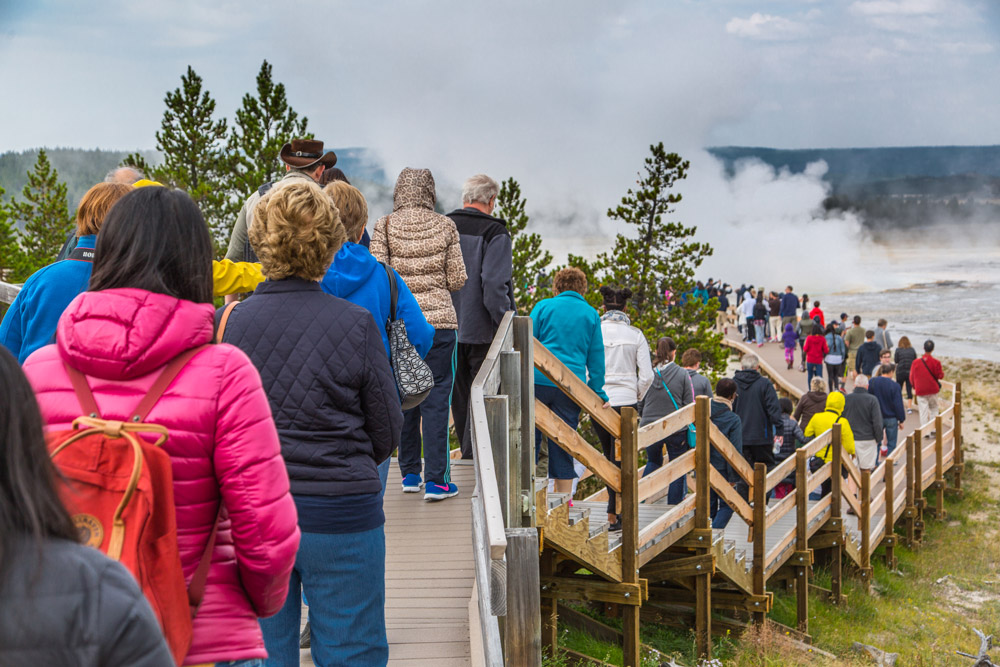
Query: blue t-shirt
x=335 y=515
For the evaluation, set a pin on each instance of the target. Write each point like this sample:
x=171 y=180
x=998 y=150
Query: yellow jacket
x=822 y=422
x=232 y=277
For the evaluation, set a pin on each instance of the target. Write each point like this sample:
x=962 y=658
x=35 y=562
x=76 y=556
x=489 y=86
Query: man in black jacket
x=868 y=355
x=757 y=406
x=488 y=292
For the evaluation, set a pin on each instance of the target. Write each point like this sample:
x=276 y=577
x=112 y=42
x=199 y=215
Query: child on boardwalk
x=792 y=440
x=790 y=339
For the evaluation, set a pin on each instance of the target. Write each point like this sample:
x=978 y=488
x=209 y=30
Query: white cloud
x=765 y=26
x=897 y=7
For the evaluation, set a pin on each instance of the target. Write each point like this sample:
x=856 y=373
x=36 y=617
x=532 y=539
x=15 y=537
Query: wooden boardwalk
x=428 y=574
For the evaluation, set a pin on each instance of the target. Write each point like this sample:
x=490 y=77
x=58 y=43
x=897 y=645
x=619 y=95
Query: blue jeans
x=677 y=445
x=719 y=509
x=560 y=462
x=253 y=662
x=891 y=425
x=344 y=576
x=431 y=416
x=813 y=371
x=759 y=329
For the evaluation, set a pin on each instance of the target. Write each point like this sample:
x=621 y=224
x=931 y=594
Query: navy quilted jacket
x=329 y=383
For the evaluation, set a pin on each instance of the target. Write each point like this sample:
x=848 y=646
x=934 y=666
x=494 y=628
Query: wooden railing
x=8 y=292
x=505 y=543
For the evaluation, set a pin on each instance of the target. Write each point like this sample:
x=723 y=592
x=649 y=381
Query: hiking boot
x=306 y=637
x=412 y=483
x=616 y=526
x=435 y=491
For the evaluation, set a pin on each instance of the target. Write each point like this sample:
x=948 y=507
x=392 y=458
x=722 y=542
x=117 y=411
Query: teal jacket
x=571 y=329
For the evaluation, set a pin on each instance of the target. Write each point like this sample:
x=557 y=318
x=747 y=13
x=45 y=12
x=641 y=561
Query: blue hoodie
x=31 y=320
x=359 y=278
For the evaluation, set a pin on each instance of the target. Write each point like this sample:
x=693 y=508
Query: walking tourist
x=730 y=426
x=854 y=338
x=822 y=422
x=804 y=329
x=61 y=603
x=817 y=312
x=150 y=301
x=774 y=321
x=926 y=374
x=835 y=358
x=337 y=421
x=863 y=412
x=816 y=350
x=747 y=307
x=789 y=339
x=357 y=276
x=811 y=403
x=31 y=320
x=628 y=372
x=757 y=406
x=423 y=246
x=305 y=160
x=904 y=357
x=868 y=355
x=670 y=391
x=882 y=336
x=487 y=295
x=789 y=308
x=760 y=317
x=570 y=329
x=691 y=362
x=890 y=400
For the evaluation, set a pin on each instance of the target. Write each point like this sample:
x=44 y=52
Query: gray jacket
x=863 y=412
x=700 y=383
x=657 y=404
x=71 y=605
x=488 y=292
x=238 y=239
x=883 y=338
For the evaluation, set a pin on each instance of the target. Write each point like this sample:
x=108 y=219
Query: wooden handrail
x=652 y=433
x=654 y=486
x=818 y=477
x=554 y=428
x=649 y=533
x=780 y=472
x=878 y=473
x=783 y=507
x=576 y=389
x=726 y=491
x=819 y=442
x=852 y=469
x=734 y=458
x=8 y=292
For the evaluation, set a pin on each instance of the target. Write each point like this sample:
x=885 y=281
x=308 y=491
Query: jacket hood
x=789 y=328
x=414 y=189
x=352 y=267
x=835 y=402
x=126 y=333
x=744 y=379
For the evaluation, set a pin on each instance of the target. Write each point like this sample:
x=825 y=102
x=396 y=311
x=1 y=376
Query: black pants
x=470 y=359
x=903 y=380
x=834 y=374
x=608 y=445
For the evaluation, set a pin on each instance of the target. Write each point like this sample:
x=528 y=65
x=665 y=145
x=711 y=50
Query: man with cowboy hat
x=303 y=158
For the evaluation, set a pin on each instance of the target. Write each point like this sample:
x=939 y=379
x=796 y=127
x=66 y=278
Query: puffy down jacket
x=223 y=445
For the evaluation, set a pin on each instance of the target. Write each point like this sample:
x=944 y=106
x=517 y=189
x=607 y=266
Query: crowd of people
x=280 y=410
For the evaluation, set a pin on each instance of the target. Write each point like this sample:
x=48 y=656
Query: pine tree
x=10 y=250
x=531 y=283
x=195 y=155
x=45 y=217
x=263 y=125
x=663 y=255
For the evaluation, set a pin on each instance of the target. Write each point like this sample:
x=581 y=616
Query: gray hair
x=479 y=189
x=861 y=381
x=750 y=362
x=126 y=175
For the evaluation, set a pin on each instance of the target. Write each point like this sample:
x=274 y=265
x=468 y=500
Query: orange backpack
x=119 y=490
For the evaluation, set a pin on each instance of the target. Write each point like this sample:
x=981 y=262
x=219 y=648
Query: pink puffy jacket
x=223 y=444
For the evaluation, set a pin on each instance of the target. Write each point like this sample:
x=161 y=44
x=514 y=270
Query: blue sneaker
x=435 y=491
x=412 y=483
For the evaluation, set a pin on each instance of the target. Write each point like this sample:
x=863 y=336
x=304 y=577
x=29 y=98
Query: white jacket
x=746 y=308
x=628 y=371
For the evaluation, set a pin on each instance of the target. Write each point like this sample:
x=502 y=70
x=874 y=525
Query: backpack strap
x=83 y=392
x=162 y=382
x=196 y=591
x=225 y=318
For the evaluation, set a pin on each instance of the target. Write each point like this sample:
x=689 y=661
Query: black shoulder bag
x=414 y=378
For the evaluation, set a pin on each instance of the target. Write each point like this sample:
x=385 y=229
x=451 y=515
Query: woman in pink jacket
x=150 y=299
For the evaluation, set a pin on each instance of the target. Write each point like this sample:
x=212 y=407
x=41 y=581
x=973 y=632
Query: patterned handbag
x=414 y=378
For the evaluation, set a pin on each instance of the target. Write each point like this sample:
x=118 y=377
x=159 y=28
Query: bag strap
x=393 y=290
x=663 y=382
x=162 y=382
x=225 y=318
x=196 y=591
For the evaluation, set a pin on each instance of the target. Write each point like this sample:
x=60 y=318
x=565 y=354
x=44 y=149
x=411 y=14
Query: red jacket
x=223 y=447
x=815 y=348
x=923 y=373
x=822 y=320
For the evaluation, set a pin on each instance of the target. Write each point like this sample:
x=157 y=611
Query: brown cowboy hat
x=306 y=153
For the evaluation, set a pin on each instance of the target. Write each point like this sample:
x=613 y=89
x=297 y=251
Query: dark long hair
x=155 y=239
x=29 y=504
x=665 y=349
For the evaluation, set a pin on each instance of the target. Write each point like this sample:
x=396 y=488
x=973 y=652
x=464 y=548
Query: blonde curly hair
x=296 y=231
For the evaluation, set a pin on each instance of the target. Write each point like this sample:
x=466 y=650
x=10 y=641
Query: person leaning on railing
x=571 y=330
